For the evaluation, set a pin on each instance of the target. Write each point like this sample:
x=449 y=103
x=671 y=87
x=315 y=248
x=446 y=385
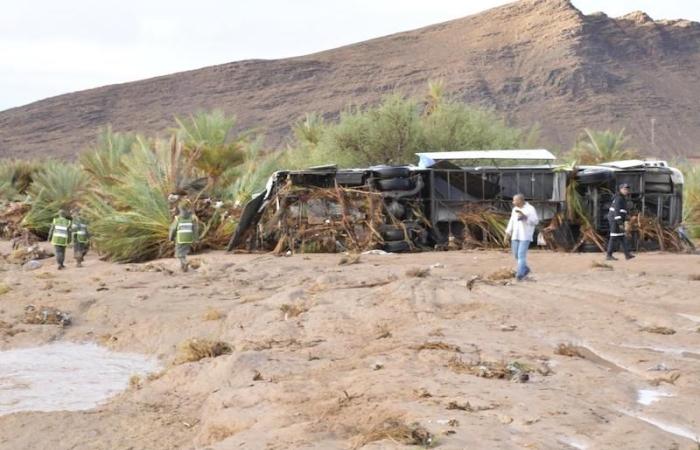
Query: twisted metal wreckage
x=441 y=205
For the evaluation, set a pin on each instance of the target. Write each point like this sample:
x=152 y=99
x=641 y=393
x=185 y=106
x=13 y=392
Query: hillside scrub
x=393 y=131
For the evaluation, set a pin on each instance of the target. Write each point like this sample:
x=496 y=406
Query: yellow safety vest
x=59 y=237
x=80 y=234
x=185 y=231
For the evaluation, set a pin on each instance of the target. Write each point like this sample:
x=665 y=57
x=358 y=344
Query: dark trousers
x=60 y=254
x=613 y=243
x=79 y=251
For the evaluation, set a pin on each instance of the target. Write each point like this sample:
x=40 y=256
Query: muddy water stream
x=65 y=376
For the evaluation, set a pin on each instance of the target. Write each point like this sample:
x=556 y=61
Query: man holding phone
x=520 y=230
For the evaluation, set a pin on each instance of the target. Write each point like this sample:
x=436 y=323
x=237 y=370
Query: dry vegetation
x=193 y=350
x=394 y=429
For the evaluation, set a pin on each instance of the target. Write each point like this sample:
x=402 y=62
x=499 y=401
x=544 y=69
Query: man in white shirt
x=520 y=230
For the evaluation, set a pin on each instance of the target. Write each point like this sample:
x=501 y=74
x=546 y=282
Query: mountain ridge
x=533 y=61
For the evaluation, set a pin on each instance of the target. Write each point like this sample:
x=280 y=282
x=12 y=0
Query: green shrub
x=393 y=131
x=56 y=186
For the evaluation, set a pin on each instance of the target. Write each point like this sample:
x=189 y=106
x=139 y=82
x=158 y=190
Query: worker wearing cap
x=183 y=231
x=617 y=215
x=59 y=236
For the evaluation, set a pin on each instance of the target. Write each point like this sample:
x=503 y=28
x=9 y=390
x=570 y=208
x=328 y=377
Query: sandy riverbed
x=351 y=358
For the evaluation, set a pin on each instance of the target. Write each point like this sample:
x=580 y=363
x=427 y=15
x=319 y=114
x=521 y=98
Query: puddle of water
x=65 y=376
x=664 y=426
x=648 y=396
x=573 y=443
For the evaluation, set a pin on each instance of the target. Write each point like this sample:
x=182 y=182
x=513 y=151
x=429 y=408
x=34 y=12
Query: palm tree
x=208 y=140
x=105 y=160
x=310 y=129
x=595 y=147
x=435 y=96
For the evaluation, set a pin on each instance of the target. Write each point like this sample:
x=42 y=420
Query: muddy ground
x=323 y=352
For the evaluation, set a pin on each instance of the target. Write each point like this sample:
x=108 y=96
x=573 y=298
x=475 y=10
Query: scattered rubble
x=45 y=315
x=513 y=371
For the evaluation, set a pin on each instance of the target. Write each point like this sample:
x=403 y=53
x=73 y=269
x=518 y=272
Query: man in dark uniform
x=616 y=218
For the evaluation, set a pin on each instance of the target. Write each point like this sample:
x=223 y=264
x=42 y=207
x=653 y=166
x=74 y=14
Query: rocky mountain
x=534 y=61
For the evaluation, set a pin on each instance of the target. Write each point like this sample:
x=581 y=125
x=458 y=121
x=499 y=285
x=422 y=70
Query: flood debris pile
x=484 y=226
x=45 y=315
x=318 y=220
x=439 y=205
x=11 y=216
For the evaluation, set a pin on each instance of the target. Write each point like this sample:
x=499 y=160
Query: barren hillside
x=534 y=61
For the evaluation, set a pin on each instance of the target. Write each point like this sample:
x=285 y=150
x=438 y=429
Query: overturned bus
x=460 y=199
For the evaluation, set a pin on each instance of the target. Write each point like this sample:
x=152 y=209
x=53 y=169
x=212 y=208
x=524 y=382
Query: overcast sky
x=50 y=47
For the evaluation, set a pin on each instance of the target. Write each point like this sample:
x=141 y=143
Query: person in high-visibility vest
x=80 y=237
x=183 y=231
x=59 y=236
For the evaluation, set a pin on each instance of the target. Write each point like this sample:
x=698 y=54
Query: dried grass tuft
x=601 y=265
x=347 y=260
x=213 y=314
x=396 y=430
x=135 y=382
x=502 y=274
x=566 y=349
x=418 y=272
x=383 y=331
x=193 y=350
x=217 y=433
x=659 y=330
x=293 y=310
x=438 y=345
x=4 y=289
